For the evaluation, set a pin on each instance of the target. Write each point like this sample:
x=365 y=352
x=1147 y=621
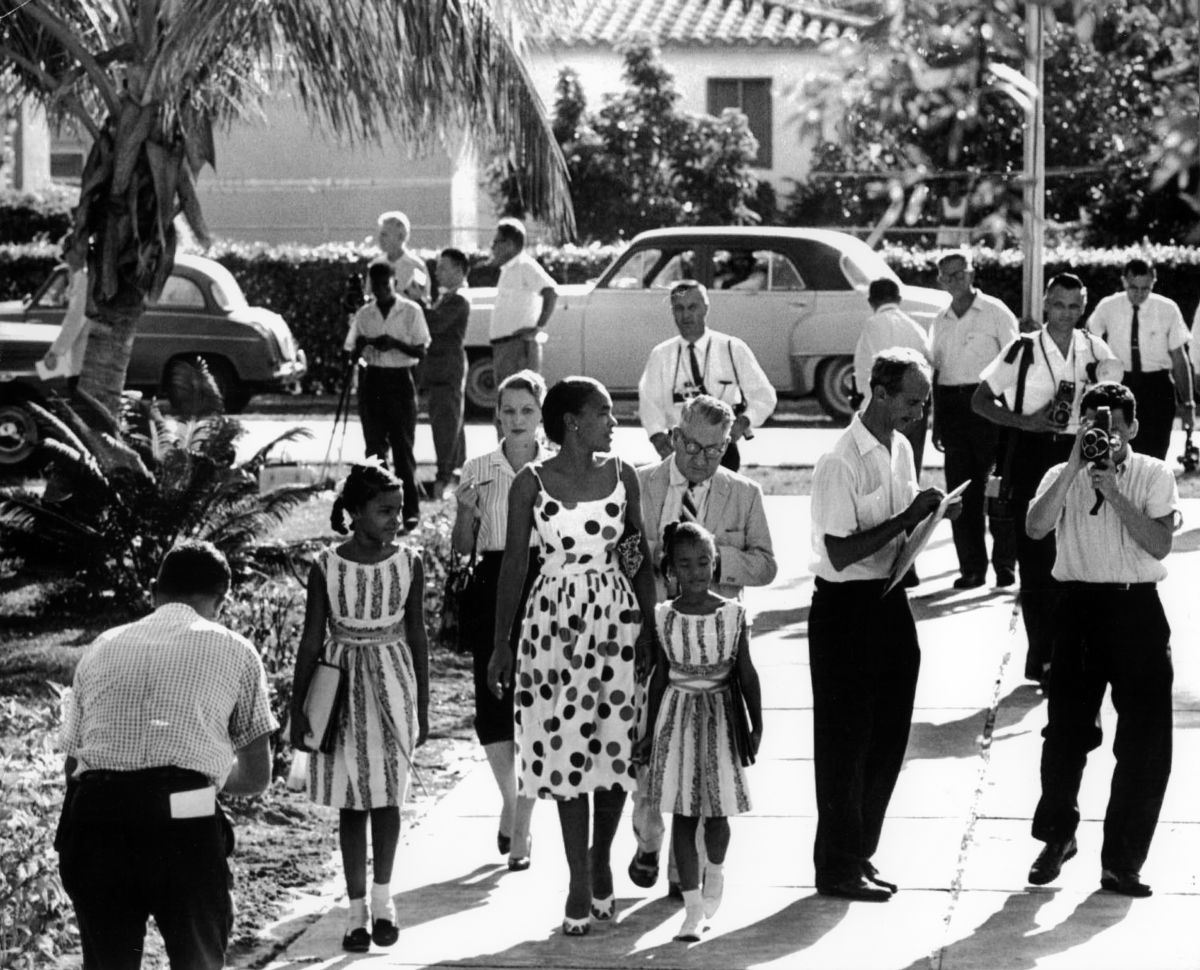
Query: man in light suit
x=690 y=484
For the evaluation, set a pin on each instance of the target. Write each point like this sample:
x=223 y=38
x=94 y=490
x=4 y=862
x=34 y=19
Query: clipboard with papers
x=921 y=535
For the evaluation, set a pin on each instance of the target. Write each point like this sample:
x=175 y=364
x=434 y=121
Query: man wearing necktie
x=701 y=361
x=691 y=485
x=1147 y=332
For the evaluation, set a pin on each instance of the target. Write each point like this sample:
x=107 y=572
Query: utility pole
x=1034 y=223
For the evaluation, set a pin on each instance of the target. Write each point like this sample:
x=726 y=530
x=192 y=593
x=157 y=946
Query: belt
x=158 y=774
x=1106 y=587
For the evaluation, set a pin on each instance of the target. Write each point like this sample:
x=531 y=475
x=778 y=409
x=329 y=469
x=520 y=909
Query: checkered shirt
x=169 y=689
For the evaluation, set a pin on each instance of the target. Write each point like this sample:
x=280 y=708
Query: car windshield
x=862 y=264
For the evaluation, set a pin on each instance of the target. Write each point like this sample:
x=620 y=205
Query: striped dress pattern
x=378 y=731
x=694 y=769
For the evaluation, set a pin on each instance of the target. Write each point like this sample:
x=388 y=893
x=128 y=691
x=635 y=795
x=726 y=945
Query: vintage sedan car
x=799 y=303
x=201 y=312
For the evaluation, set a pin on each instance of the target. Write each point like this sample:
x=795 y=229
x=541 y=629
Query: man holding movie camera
x=1114 y=511
x=1033 y=388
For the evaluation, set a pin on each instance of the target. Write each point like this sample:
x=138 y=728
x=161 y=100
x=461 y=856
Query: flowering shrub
x=36 y=923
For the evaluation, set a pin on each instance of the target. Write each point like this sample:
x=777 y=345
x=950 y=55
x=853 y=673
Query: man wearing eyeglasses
x=690 y=484
x=701 y=361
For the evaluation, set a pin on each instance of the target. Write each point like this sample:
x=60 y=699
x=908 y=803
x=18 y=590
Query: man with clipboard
x=863 y=649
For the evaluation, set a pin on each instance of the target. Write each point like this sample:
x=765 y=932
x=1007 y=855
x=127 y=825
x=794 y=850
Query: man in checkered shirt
x=164 y=712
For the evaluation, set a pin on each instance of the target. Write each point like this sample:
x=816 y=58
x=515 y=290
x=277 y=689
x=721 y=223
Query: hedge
x=305 y=284
x=34 y=216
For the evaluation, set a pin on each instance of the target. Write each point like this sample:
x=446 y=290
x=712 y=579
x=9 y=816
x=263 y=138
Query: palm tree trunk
x=105 y=361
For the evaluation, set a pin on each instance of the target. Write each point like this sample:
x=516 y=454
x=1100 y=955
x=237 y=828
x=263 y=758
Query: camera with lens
x=1190 y=459
x=1096 y=446
x=353 y=294
x=1060 y=408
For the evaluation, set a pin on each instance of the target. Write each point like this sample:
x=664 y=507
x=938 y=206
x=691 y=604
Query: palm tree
x=149 y=79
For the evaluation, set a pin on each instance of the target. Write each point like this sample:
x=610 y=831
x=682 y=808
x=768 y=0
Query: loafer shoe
x=1126 y=883
x=1049 y=862
x=855 y=887
x=873 y=877
x=643 y=870
x=969 y=581
x=384 y=932
x=1005 y=578
x=357 y=940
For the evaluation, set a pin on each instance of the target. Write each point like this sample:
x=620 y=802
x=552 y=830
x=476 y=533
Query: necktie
x=697 y=377
x=687 y=506
x=1135 y=351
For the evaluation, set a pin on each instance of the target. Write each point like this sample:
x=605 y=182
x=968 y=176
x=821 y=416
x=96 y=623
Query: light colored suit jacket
x=735 y=516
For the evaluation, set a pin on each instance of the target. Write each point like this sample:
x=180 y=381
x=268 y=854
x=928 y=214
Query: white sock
x=714 y=886
x=693 y=913
x=358 y=913
x=381 y=902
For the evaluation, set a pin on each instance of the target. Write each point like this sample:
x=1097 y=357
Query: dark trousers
x=970 y=442
x=1118 y=637
x=387 y=407
x=446 y=382
x=864 y=661
x=123 y=859
x=1034 y=455
x=1155 y=396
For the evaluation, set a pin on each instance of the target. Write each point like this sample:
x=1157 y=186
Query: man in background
x=444 y=369
x=525 y=299
x=412 y=278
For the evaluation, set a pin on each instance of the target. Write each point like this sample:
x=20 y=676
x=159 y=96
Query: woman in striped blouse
x=482 y=524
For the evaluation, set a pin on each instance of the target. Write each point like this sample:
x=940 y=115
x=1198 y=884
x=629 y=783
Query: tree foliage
x=941 y=91
x=640 y=161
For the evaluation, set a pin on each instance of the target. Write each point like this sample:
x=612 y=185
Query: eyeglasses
x=695 y=448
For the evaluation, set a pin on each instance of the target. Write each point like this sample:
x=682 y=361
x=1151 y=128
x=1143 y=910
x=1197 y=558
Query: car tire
x=834 y=385
x=481 y=385
x=233 y=392
x=18 y=434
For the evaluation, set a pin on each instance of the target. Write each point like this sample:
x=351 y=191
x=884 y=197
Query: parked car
x=800 y=305
x=201 y=312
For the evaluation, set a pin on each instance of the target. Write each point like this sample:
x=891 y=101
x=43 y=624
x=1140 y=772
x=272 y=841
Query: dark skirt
x=493 y=715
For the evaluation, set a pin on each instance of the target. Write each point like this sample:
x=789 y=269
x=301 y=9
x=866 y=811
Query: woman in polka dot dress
x=587 y=635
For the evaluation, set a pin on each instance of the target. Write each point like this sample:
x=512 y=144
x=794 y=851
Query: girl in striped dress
x=365 y=607
x=694 y=770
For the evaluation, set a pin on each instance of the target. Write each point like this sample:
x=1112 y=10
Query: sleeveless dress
x=694 y=769
x=574 y=709
x=369 y=767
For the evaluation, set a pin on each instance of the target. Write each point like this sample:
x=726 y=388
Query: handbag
x=741 y=720
x=323 y=704
x=629 y=552
x=459 y=575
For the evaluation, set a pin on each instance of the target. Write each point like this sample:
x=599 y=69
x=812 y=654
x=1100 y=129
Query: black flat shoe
x=357 y=940
x=643 y=870
x=873 y=877
x=969 y=581
x=384 y=932
x=1049 y=863
x=1125 y=883
x=503 y=843
x=856 y=888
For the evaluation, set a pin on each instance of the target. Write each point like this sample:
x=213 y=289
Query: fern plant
x=119 y=497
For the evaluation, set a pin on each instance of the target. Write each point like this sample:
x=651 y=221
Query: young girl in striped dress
x=694 y=770
x=365 y=608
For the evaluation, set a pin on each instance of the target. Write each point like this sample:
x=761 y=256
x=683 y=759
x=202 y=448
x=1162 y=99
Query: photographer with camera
x=701 y=361
x=1033 y=388
x=1114 y=512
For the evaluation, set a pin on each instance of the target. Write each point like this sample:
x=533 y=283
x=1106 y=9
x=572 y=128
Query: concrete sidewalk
x=957 y=837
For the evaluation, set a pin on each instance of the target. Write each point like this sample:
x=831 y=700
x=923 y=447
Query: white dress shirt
x=518 y=296
x=857 y=486
x=1160 y=329
x=405 y=322
x=728 y=370
x=1098 y=548
x=887 y=327
x=964 y=346
x=1049 y=367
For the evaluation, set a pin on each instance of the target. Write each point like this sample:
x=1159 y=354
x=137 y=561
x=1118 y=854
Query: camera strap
x=1008 y=441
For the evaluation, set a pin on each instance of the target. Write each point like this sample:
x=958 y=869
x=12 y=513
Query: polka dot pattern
x=575 y=724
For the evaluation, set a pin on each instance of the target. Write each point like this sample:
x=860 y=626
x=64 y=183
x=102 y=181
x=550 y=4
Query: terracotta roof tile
x=711 y=22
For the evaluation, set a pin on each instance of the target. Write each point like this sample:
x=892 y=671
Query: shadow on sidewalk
x=961 y=737
x=1014 y=937
x=788 y=931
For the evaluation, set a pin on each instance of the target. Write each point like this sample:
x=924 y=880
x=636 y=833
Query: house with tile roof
x=278 y=181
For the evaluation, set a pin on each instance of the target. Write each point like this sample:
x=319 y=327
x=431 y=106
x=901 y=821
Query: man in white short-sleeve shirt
x=525 y=299
x=1114 y=517
x=863 y=651
x=1147 y=333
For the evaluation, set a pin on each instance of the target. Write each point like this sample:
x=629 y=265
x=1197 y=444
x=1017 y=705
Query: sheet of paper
x=920 y=536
